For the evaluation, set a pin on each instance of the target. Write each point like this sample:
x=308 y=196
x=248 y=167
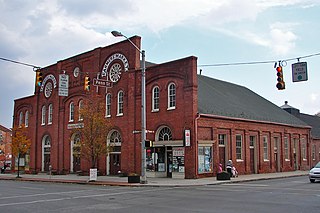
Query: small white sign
x=187 y=137
x=299 y=72
x=93 y=175
x=63 y=85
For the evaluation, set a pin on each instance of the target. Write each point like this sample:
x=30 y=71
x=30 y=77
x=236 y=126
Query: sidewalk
x=153 y=182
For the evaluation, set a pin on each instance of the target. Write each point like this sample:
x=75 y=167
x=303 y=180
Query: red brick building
x=314 y=122
x=5 y=146
x=197 y=122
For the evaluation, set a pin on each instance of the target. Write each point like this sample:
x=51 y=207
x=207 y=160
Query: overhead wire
x=256 y=62
x=201 y=65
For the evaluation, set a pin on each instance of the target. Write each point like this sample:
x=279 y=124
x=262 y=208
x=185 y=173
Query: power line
x=21 y=63
x=256 y=62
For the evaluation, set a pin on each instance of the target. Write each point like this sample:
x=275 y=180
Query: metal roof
x=222 y=98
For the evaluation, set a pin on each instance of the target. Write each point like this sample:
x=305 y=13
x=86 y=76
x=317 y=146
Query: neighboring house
x=314 y=122
x=194 y=122
x=5 y=146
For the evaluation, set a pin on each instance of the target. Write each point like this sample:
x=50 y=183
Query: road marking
x=43 y=194
x=80 y=197
x=25 y=187
x=247 y=184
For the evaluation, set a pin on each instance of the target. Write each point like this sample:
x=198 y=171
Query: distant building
x=314 y=122
x=195 y=122
x=5 y=146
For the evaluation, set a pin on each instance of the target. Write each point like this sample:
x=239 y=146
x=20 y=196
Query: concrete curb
x=163 y=183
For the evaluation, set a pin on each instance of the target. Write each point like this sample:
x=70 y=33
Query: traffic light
x=38 y=78
x=87 y=83
x=280 y=85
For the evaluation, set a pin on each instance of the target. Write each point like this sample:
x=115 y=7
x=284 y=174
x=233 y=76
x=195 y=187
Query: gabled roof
x=312 y=120
x=216 y=97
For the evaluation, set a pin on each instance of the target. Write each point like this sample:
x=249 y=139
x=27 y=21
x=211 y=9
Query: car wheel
x=312 y=180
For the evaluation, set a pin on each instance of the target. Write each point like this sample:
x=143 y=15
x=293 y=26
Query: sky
x=42 y=32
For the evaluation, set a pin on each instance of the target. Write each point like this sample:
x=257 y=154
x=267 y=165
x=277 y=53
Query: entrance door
x=169 y=162
x=76 y=163
x=115 y=163
x=46 y=162
x=222 y=156
x=252 y=160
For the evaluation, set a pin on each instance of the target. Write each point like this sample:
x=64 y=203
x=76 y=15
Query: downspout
x=196 y=142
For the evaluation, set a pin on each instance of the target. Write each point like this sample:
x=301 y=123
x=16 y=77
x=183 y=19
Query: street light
x=143 y=108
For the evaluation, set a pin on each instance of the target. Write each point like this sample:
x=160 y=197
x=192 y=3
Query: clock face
x=76 y=72
x=115 y=72
x=48 y=90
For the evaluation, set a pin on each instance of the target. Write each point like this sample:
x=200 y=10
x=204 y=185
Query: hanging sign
x=299 y=72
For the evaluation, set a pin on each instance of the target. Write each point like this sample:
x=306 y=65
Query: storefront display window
x=178 y=159
x=204 y=159
x=155 y=158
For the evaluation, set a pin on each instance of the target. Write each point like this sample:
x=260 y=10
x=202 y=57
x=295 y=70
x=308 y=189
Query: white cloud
x=282 y=40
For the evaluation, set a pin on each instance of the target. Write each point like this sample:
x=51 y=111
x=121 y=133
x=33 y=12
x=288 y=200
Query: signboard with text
x=102 y=83
x=299 y=72
x=63 y=85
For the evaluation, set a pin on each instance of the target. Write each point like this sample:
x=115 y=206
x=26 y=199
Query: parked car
x=314 y=173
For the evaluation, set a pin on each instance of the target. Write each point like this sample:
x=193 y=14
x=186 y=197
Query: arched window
x=115 y=141
x=120 y=103
x=43 y=115
x=80 y=108
x=171 y=96
x=155 y=98
x=20 y=118
x=164 y=134
x=108 y=105
x=71 y=112
x=50 y=114
x=26 y=119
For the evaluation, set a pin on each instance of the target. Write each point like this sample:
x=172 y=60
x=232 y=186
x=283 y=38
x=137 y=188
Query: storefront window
x=204 y=159
x=155 y=157
x=178 y=159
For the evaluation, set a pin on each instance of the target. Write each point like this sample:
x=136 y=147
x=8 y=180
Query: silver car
x=314 y=173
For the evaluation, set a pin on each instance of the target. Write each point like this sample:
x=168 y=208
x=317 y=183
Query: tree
x=93 y=133
x=20 y=143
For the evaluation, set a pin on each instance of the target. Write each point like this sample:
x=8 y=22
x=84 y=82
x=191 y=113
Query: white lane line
x=246 y=184
x=44 y=194
x=78 y=197
x=25 y=187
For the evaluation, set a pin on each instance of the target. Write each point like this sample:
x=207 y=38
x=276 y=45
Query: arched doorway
x=75 y=158
x=46 y=150
x=114 y=158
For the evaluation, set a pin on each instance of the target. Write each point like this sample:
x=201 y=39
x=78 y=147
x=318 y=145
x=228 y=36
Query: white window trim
x=80 y=118
x=108 y=106
x=20 y=118
x=175 y=95
x=43 y=115
x=265 y=159
x=241 y=147
x=153 y=99
x=50 y=114
x=71 y=112
x=26 y=119
x=118 y=104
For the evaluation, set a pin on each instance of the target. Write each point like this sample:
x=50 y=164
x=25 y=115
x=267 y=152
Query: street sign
x=299 y=72
x=102 y=83
x=63 y=85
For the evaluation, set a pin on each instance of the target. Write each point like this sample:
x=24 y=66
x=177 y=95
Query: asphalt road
x=280 y=195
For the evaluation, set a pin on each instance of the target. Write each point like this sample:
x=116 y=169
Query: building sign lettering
x=116 y=56
x=48 y=77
